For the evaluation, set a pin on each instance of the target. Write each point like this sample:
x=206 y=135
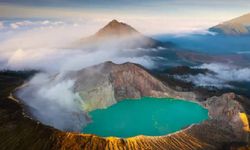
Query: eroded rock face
x=104 y=84
x=226 y=108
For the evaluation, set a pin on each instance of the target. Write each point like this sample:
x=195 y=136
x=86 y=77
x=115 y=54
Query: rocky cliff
x=104 y=84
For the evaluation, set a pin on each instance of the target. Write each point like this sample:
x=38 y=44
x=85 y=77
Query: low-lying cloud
x=47 y=48
x=228 y=72
x=220 y=76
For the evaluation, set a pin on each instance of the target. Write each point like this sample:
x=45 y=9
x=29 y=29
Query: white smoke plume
x=54 y=103
x=44 y=45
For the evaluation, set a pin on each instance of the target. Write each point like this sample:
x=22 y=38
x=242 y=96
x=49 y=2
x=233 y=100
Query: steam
x=54 y=103
x=220 y=76
x=46 y=46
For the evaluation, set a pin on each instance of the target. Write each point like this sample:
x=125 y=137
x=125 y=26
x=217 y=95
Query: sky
x=184 y=15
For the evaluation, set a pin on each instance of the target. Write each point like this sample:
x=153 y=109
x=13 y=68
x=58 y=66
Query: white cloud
x=45 y=22
x=14 y=26
x=228 y=72
x=47 y=48
x=54 y=103
x=220 y=77
x=1 y=25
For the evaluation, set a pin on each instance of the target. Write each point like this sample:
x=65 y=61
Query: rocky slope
x=236 y=26
x=104 y=84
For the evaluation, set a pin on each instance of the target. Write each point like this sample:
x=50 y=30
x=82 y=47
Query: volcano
x=117 y=29
x=121 y=35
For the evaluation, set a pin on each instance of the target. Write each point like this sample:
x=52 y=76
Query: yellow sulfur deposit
x=244 y=120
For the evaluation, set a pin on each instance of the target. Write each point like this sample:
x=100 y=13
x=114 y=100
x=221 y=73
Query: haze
x=163 y=16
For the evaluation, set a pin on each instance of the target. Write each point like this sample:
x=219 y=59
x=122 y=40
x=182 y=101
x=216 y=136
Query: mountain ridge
x=236 y=26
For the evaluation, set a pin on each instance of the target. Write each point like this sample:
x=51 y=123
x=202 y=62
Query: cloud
x=16 y=25
x=40 y=46
x=145 y=61
x=207 y=80
x=54 y=103
x=27 y=24
x=1 y=25
x=47 y=45
x=228 y=72
x=221 y=76
x=243 y=52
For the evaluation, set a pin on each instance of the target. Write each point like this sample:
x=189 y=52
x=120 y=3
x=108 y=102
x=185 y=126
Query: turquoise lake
x=145 y=116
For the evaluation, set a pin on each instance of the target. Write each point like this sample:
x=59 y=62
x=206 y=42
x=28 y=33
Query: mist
x=47 y=46
x=53 y=102
x=220 y=75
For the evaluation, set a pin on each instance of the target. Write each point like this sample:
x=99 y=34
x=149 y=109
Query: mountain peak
x=122 y=35
x=117 y=29
x=114 y=21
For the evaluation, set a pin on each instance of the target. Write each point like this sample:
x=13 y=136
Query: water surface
x=145 y=116
x=212 y=44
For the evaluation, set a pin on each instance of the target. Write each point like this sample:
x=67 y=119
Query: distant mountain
x=236 y=26
x=122 y=35
x=116 y=29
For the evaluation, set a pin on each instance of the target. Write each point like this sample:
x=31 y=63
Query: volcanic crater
x=107 y=84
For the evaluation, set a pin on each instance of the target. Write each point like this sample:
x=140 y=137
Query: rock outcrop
x=104 y=84
x=226 y=108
